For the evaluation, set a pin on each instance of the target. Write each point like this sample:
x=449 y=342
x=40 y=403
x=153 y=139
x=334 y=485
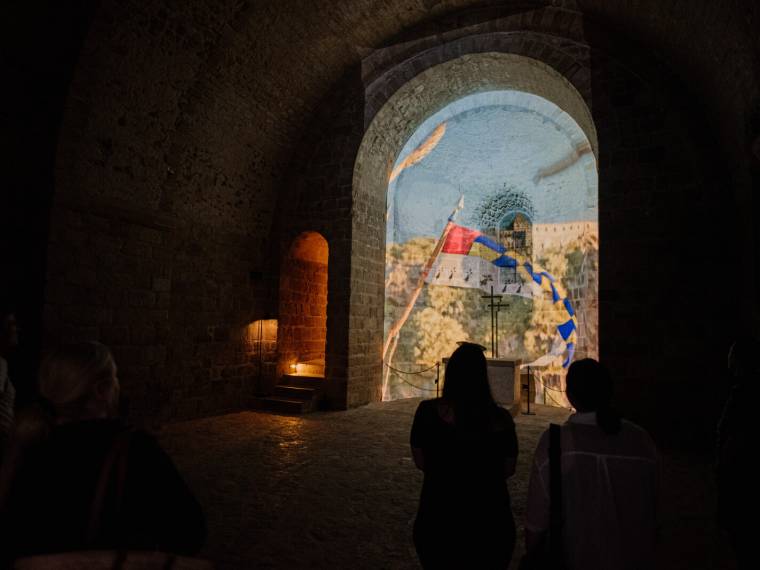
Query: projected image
x=491 y=238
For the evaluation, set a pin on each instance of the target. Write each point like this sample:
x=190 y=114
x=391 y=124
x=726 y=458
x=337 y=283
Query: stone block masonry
x=174 y=302
x=199 y=139
x=302 y=330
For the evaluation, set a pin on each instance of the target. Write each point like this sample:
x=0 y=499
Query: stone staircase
x=299 y=393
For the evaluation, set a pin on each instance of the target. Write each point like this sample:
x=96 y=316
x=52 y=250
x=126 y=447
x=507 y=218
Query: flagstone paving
x=339 y=489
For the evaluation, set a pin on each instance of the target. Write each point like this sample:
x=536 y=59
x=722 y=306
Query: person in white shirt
x=609 y=481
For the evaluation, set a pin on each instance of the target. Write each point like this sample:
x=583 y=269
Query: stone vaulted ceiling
x=194 y=109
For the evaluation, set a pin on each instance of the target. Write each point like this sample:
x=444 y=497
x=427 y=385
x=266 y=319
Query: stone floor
x=339 y=489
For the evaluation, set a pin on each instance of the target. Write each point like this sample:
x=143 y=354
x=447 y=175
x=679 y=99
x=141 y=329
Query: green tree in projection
x=447 y=315
x=513 y=324
x=443 y=315
x=404 y=261
x=569 y=265
x=582 y=256
x=542 y=331
x=436 y=335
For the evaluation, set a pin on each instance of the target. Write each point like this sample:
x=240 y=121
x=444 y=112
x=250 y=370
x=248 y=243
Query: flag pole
x=391 y=343
x=396 y=328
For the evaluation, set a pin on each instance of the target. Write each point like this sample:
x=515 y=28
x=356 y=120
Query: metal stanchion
x=528 y=412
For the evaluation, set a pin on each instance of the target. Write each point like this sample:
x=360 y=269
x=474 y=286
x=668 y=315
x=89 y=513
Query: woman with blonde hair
x=81 y=479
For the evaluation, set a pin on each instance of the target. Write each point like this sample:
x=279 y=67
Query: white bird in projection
x=414 y=157
x=420 y=152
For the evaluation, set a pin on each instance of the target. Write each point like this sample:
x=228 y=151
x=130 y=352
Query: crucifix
x=499 y=306
x=494 y=319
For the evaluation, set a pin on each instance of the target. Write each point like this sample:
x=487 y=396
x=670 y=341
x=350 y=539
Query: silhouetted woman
x=609 y=481
x=467 y=447
x=82 y=480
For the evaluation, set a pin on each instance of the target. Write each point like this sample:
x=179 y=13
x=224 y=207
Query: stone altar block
x=504 y=378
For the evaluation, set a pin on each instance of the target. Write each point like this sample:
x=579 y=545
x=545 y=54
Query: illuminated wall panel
x=497 y=190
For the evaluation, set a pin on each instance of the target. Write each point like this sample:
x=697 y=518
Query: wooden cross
x=494 y=307
x=499 y=306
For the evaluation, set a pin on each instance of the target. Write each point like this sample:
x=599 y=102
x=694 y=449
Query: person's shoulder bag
x=549 y=555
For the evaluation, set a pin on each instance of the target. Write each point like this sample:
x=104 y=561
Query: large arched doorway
x=411 y=128
x=497 y=195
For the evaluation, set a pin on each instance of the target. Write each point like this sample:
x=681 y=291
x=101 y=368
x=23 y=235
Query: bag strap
x=555 y=487
x=116 y=459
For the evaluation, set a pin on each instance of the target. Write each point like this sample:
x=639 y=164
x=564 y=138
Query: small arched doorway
x=302 y=330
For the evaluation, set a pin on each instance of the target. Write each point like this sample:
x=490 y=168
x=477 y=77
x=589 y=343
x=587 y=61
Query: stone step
x=284 y=405
x=295 y=392
x=312 y=368
x=303 y=381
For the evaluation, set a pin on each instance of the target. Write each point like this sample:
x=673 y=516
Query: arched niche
x=302 y=329
x=405 y=110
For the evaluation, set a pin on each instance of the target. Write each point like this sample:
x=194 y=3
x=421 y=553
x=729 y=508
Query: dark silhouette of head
x=466 y=386
x=589 y=389
x=79 y=381
x=744 y=357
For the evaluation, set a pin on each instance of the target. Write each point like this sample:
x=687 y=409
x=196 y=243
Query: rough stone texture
x=656 y=172
x=391 y=127
x=302 y=328
x=174 y=304
x=197 y=137
x=262 y=350
x=339 y=490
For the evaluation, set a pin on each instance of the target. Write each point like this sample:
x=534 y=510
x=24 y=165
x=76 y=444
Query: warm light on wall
x=263 y=329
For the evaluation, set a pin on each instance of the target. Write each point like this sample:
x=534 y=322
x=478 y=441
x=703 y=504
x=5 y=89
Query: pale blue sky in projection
x=493 y=139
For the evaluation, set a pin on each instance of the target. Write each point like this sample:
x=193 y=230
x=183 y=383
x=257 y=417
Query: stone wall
x=656 y=172
x=442 y=72
x=173 y=301
x=302 y=331
x=261 y=348
x=664 y=337
x=303 y=306
x=198 y=138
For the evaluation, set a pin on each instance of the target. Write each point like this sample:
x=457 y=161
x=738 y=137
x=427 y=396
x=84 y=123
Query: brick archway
x=302 y=329
x=393 y=123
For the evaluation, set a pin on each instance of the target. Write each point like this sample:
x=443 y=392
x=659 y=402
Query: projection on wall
x=494 y=194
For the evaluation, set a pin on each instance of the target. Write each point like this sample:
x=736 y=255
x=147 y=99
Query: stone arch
x=391 y=126
x=302 y=328
x=215 y=137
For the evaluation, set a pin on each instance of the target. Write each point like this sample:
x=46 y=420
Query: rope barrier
x=549 y=387
x=407 y=372
x=555 y=401
x=418 y=388
x=411 y=373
